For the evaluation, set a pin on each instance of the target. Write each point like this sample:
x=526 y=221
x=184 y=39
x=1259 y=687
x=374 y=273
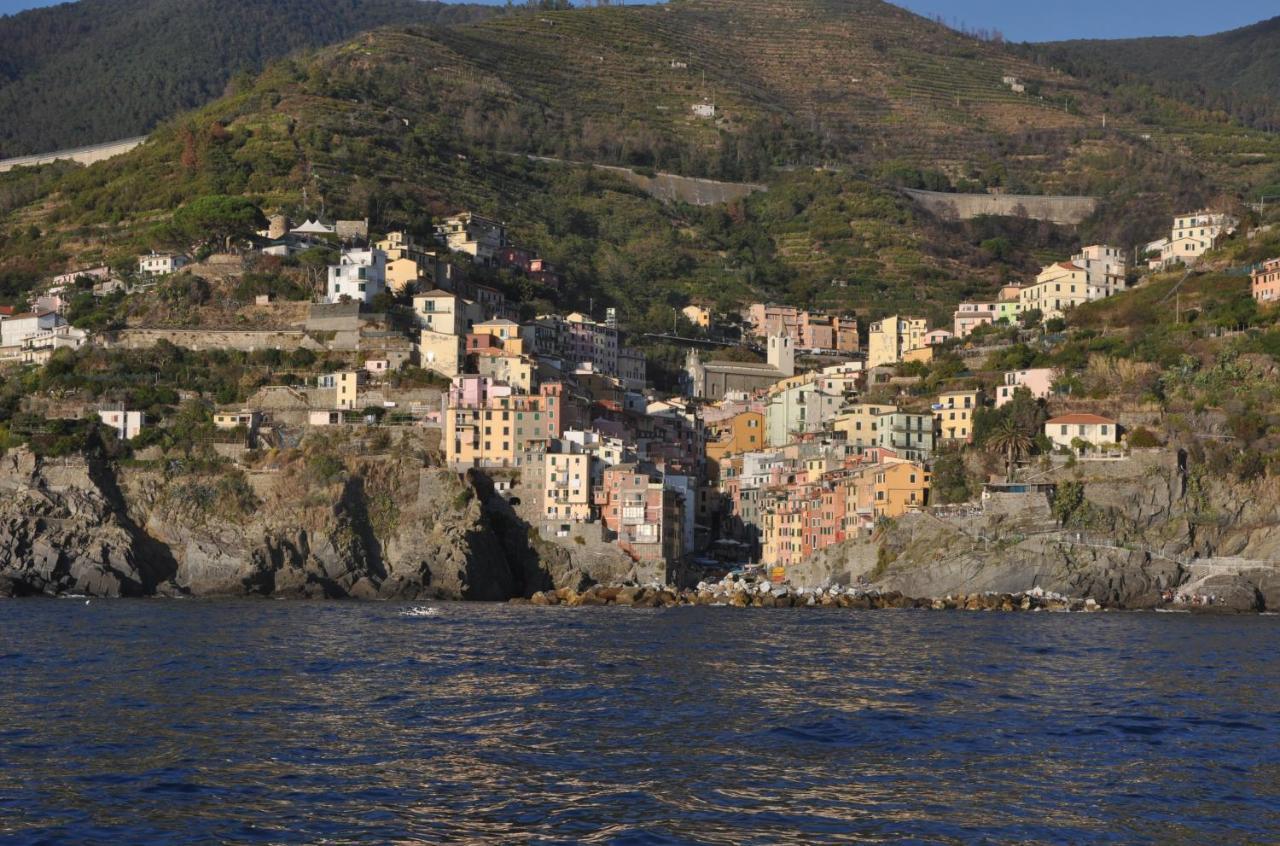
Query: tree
x=213 y=219
x=951 y=482
x=1011 y=442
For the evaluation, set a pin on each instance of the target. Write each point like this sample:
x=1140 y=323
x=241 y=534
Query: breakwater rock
x=765 y=595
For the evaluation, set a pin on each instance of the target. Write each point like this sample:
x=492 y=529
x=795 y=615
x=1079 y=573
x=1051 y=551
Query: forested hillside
x=1236 y=72
x=97 y=70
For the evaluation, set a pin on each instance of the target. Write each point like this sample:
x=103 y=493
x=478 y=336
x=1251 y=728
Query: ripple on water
x=302 y=723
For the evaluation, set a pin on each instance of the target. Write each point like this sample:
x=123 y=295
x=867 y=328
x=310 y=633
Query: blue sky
x=1037 y=20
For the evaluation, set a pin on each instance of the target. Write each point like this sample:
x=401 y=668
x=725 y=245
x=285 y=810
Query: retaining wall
x=1064 y=210
x=83 y=155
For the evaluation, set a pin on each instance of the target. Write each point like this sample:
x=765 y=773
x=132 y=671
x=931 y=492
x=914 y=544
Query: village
x=752 y=467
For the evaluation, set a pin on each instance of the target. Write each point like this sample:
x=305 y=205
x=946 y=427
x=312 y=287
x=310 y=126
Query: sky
x=1045 y=20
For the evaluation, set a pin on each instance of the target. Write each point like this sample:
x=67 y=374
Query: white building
x=1193 y=235
x=161 y=264
x=360 y=276
x=1090 y=429
x=128 y=424
x=20 y=328
x=97 y=274
x=1105 y=268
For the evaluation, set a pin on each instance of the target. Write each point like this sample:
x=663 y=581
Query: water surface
x=272 y=722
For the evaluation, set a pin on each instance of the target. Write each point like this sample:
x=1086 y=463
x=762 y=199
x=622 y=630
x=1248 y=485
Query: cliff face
x=384 y=528
x=1144 y=526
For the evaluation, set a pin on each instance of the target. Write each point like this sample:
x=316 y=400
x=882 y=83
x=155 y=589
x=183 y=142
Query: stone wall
x=1064 y=210
x=245 y=340
x=83 y=155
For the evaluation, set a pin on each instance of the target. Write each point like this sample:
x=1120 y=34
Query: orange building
x=1266 y=282
x=744 y=432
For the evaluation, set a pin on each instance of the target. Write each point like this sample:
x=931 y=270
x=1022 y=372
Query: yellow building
x=446 y=313
x=924 y=355
x=858 y=424
x=567 y=487
x=1058 y=287
x=697 y=315
x=890 y=338
x=409 y=264
x=348 y=386
x=954 y=412
x=900 y=488
x=514 y=370
x=403 y=274
x=440 y=352
x=495 y=435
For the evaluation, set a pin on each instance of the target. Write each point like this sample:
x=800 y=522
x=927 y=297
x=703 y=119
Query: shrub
x=1143 y=438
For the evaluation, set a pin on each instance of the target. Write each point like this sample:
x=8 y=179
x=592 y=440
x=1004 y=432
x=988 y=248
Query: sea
x=187 y=722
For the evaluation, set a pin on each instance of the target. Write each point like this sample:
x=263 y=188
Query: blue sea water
x=270 y=722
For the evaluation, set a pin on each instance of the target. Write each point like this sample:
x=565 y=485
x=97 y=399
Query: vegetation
x=1231 y=72
x=163 y=60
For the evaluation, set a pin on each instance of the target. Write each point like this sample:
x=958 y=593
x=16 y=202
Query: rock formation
x=386 y=528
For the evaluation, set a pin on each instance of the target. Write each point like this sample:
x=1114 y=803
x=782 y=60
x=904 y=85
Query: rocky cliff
x=383 y=526
x=1138 y=531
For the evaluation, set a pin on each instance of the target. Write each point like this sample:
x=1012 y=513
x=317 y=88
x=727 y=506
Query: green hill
x=97 y=70
x=833 y=104
x=1236 y=72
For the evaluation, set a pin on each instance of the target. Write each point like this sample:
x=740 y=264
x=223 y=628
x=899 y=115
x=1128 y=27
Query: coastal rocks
x=737 y=594
x=1227 y=594
x=64 y=531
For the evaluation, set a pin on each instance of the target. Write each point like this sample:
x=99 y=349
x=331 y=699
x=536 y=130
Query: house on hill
x=1266 y=282
x=1193 y=235
x=161 y=264
x=1091 y=429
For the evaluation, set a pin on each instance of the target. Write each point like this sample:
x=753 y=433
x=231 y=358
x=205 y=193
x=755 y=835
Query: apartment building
x=890 y=339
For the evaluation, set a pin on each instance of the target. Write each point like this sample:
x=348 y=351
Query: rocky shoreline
x=765 y=595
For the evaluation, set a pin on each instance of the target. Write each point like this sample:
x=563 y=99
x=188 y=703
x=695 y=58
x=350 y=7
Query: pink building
x=970 y=316
x=809 y=331
x=471 y=391
x=1038 y=381
x=645 y=517
x=1266 y=282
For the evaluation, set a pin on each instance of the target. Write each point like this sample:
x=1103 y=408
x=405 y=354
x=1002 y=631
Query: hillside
x=834 y=105
x=1232 y=72
x=97 y=70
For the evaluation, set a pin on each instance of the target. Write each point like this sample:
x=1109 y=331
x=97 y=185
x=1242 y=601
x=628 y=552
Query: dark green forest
x=98 y=70
x=1236 y=72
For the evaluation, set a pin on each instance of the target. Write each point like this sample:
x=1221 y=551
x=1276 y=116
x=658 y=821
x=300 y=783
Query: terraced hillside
x=833 y=104
x=809 y=81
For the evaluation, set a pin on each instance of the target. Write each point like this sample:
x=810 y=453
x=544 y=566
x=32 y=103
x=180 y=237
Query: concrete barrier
x=83 y=155
x=1068 y=211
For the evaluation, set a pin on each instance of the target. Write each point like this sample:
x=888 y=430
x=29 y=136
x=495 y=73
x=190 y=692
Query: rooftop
x=1080 y=420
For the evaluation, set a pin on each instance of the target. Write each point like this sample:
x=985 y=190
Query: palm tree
x=1011 y=442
